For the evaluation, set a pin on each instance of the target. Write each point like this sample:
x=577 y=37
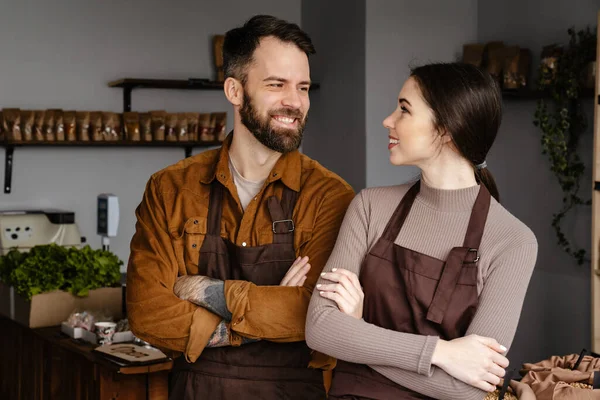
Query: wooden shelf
x=11 y=145
x=128 y=84
x=190 y=84
x=119 y=143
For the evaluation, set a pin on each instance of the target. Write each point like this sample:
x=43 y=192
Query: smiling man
x=229 y=243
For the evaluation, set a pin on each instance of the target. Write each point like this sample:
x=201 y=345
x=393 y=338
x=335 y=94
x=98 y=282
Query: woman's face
x=413 y=139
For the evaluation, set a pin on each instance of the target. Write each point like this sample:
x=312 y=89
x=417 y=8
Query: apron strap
x=281 y=215
x=478 y=218
x=395 y=223
x=458 y=256
x=447 y=284
x=215 y=208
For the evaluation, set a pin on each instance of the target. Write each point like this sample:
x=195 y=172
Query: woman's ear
x=446 y=138
x=234 y=91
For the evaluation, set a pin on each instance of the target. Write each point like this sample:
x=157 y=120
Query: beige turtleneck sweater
x=436 y=223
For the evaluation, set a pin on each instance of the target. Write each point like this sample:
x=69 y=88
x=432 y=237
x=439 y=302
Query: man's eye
x=276 y=84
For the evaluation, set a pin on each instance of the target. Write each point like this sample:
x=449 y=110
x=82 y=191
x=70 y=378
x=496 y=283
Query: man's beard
x=278 y=139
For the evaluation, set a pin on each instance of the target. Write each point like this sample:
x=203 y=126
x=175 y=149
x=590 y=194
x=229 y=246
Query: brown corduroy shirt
x=171 y=225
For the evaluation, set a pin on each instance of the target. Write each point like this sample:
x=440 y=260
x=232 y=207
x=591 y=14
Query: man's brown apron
x=261 y=370
x=411 y=292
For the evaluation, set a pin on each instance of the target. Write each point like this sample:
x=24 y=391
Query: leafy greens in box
x=52 y=267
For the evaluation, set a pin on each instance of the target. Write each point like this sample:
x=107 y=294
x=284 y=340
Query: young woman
x=422 y=294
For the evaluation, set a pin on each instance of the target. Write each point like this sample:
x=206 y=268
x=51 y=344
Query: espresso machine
x=23 y=229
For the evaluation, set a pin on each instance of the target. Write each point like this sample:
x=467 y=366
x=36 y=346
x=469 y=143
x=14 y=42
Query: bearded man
x=229 y=243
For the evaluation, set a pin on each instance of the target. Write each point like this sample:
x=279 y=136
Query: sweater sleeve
x=332 y=332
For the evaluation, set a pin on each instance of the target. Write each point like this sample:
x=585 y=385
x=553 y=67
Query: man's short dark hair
x=240 y=43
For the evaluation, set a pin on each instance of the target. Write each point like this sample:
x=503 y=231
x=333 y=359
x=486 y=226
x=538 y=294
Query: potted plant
x=50 y=281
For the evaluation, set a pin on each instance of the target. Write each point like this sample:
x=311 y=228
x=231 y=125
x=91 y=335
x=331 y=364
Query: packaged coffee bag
x=27 y=119
x=70 y=125
x=38 y=125
x=158 y=125
x=146 y=127
x=82 y=119
x=192 y=119
x=12 y=124
x=182 y=127
x=96 y=132
x=220 y=126
x=171 y=126
x=132 y=126
x=49 y=126
x=204 y=130
x=59 y=126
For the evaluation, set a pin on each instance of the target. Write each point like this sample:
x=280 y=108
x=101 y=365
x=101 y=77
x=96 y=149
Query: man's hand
x=296 y=275
x=205 y=292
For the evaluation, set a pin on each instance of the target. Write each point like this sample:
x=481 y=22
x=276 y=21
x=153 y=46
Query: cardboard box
x=53 y=308
x=80 y=333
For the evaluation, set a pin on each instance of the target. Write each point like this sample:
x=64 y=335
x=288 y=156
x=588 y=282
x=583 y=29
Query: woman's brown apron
x=261 y=370
x=411 y=292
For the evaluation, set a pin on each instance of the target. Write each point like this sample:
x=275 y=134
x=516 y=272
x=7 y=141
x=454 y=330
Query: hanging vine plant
x=562 y=123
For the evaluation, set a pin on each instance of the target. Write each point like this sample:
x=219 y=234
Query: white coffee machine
x=25 y=229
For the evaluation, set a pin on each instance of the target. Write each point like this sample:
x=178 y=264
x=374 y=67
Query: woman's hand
x=475 y=360
x=345 y=291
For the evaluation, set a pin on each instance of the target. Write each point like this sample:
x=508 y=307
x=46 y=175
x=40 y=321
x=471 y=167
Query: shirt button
x=244 y=244
x=194 y=245
x=195 y=222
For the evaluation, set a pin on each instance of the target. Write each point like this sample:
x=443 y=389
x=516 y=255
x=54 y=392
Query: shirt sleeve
x=156 y=315
x=278 y=313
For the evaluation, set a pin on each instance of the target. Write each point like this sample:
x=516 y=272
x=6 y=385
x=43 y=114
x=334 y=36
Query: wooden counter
x=46 y=364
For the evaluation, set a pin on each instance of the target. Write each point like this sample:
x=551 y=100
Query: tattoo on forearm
x=220 y=337
x=205 y=292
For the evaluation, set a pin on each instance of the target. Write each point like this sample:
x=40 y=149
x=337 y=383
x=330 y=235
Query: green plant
x=51 y=267
x=562 y=125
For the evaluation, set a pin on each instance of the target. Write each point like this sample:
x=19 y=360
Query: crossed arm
x=157 y=315
x=209 y=293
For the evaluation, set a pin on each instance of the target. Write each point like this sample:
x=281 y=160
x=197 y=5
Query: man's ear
x=234 y=91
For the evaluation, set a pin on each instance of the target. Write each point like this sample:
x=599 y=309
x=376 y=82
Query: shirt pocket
x=187 y=243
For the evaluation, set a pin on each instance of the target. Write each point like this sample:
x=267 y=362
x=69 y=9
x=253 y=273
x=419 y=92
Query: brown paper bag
x=27 y=119
x=69 y=119
x=132 y=126
x=82 y=119
x=12 y=124
x=38 y=125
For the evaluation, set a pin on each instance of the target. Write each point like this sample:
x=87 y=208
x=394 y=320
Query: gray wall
x=335 y=134
x=399 y=34
x=61 y=55
x=556 y=314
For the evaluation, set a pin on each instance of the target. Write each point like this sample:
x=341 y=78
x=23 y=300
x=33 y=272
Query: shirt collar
x=288 y=168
